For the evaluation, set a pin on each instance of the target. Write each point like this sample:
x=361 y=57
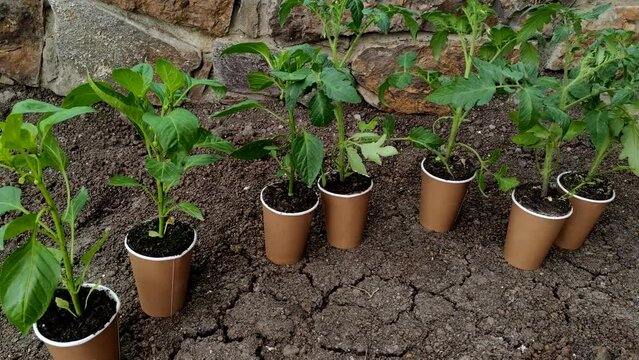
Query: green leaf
x=321 y=109
x=308 y=153
x=88 y=256
x=258 y=81
x=438 y=42
x=375 y=151
x=382 y=20
x=34 y=106
x=124 y=181
x=595 y=13
x=407 y=60
x=146 y=71
x=297 y=75
x=623 y=96
x=339 y=86
x=10 y=200
x=576 y=128
x=190 y=209
x=389 y=126
x=507 y=183
x=539 y=17
x=355 y=161
x=254 y=150
x=200 y=160
x=218 y=88
x=244 y=105
x=119 y=102
x=285 y=9
x=630 y=144
x=17 y=226
x=52 y=154
x=168 y=173
x=293 y=91
x=177 y=131
x=77 y=204
x=529 y=99
x=214 y=142
x=82 y=95
x=356 y=7
x=258 y=48
x=529 y=53
x=47 y=122
x=464 y=93
x=560 y=117
x=598 y=129
x=422 y=138
x=131 y=81
x=28 y=280
x=526 y=139
x=172 y=77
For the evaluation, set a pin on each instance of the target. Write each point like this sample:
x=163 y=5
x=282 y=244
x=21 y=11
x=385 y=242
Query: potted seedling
x=345 y=192
x=74 y=318
x=288 y=205
x=545 y=119
x=610 y=122
x=161 y=249
x=452 y=165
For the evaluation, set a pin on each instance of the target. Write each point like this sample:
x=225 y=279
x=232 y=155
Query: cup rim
x=444 y=180
x=614 y=194
x=540 y=215
x=165 y=258
x=282 y=213
x=345 y=196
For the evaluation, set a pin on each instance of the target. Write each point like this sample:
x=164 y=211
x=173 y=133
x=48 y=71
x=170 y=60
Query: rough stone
x=247 y=18
x=95 y=39
x=214 y=16
x=376 y=58
x=21 y=40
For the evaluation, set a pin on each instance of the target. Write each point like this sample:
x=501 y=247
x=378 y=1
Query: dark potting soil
x=60 y=325
x=529 y=196
x=598 y=188
x=460 y=168
x=177 y=238
x=276 y=197
x=353 y=184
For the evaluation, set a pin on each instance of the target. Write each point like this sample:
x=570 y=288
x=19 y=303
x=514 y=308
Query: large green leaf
x=529 y=53
x=242 y=106
x=375 y=151
x=10 y=200
x=423 y=138
x=339 y=86
x=34 y=106
x=258 y=48
x=630 y=143
x=172 y=77
x=146 y=71
x=78 y=202
x=438 y=42
x=82 y=95
x=539 y=17
x=28 y=279
x=254 y=150
x=355 y=161
x=124 y=181
x=190 y=209
x=176 y=131
x=285 y=9
x=464 y=93
x=598 y=129
x=200 y=160
x=121 y=103
x=52 y=154
x=321 y=109
x=356 y=7
x=47 y=122
x=308 y=154
x=168 y=173
x=17 y=226
x=131 y=81
x=258 y=81
x=214 y=142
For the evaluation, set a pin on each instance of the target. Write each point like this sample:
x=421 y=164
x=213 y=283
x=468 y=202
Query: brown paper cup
x=162 y=283
x=530 y=236
x=285 y=234
x=345 y=217
x=584 y=218
x=103 y=345
x=440 y=201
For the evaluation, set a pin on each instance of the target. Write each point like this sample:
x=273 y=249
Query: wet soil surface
x=404 y=293
x=60 y=325
x=597 y=188
x=460 y=168
x=276 y=197
x=553 y=204
x=353 y=184
x=177 y=238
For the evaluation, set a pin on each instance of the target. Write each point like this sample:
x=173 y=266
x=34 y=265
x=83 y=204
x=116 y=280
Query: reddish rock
x=21 y=40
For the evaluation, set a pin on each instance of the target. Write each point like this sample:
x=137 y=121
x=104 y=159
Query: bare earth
x=405 y=293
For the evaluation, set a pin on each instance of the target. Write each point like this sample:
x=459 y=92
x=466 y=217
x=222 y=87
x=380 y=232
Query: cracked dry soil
x=404 y=293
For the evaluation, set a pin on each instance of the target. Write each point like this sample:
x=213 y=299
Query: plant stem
x=292 y=136
x=161 y=215
x=68 y=264
x=601 y=154
x=452 y=137
x=341 y=141
x=547 y=169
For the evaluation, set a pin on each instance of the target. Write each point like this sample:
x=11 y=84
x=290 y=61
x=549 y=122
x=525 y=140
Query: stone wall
x=54 y=43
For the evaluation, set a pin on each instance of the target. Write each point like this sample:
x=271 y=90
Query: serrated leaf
x=321 y=109
x=536 y=20
x=529 y=53
x=622 y=96
x=407 y=60
x=464 y=93
x=422 y=138
x=285 y=9
x=308 y=153
x=339 y=86
x=29 y=277
x=355 y=161
x=356 y=7
x=191 y=210
x=575 y=129
x=630 y=146
x=598 y=129
x=438 y=42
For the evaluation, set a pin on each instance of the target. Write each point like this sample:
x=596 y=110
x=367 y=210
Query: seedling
x=31 y=274
x=302 y=154
x=170 y=134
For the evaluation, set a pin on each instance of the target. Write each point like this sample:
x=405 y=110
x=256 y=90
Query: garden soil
x=404 y=293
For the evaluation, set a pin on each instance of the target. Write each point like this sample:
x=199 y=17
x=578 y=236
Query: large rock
x=376 y=58
x=84 y=37
x=214 y=16
x=21 y=39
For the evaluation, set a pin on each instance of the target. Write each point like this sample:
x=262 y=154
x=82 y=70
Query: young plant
x=302 y=154
x=462 y=93
x=31 y=274
x=170 y=134
x=335 y=83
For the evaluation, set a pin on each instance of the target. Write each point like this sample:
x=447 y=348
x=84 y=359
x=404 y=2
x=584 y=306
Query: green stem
x=66 y=260
x=292 y=136
x=341 y=141
x=67 y=186
x=161 y=214
x=452 y=138
x=547 y=169
x=594 y=168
